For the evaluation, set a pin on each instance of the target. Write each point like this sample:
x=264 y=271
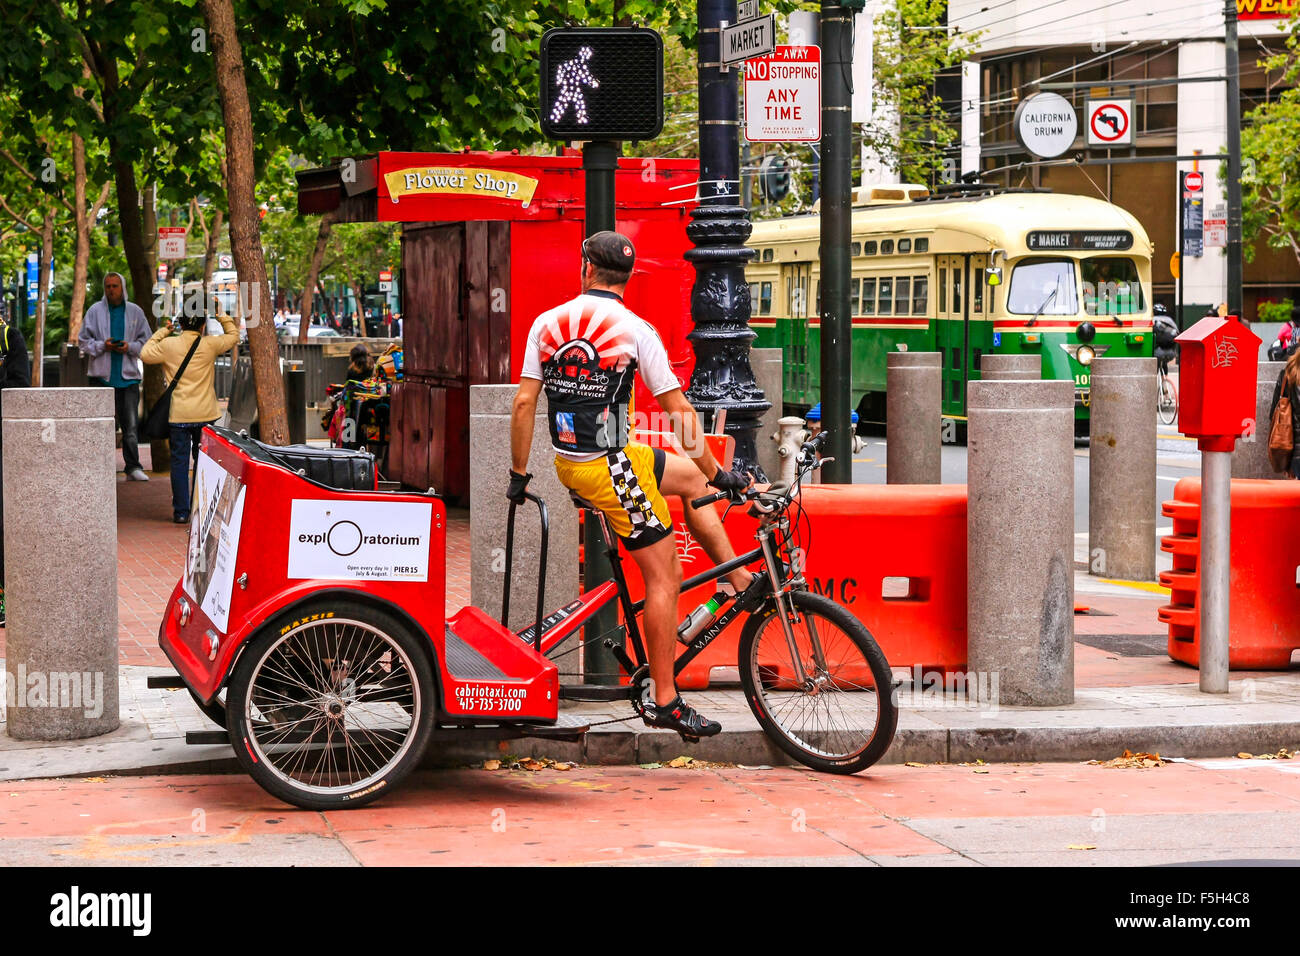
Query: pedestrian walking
x=194 y=400
x=112 y=334
x=15 y=372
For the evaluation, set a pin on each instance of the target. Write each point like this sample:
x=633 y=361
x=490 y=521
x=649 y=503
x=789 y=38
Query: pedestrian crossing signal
x=602 y=83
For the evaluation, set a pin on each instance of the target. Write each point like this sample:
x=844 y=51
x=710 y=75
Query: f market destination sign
x=1046 y=125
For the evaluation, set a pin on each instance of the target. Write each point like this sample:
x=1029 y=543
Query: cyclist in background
x=585 y=353
x=1165 y=331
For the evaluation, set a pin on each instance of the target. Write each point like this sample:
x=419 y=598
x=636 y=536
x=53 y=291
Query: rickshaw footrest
x=207 y=737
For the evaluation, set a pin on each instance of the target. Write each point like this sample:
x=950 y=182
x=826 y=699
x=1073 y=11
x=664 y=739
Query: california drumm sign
x=1046 y=125
x=1089 y=240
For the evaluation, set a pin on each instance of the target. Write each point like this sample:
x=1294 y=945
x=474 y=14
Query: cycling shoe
x=679 y=716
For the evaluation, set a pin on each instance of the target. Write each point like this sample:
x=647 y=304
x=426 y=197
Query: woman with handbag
x=190 y=401
x=1284 y=422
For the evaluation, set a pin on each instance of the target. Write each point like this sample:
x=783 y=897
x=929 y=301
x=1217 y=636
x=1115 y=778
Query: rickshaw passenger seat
x=346 y=469
x=580 y=502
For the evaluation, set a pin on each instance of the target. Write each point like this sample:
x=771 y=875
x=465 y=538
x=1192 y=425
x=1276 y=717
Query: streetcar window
x=885 y=302
x=904 y=245
x=855 y=296
x=1111 y=286
x=868 y=296
x=923 y=245
x=857 y=249
x=920 y=294
x=819 y=296
x=1043 y=286
x=903 y=295
x=767 y=255
x=753 y=297
x=977 y=291
x=943 y=290
x=869 y=248
x=886 y=246
x=957 y=276
x=975 y=359
x=765 y=299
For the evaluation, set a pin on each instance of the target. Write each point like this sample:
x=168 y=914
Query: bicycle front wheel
x=832 y=709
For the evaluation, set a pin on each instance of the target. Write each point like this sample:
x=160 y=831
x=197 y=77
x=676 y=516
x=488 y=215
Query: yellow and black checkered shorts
x=624 y=485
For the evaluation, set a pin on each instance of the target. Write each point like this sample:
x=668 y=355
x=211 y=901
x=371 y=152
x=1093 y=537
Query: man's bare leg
x=662 y=574
x=682 y=478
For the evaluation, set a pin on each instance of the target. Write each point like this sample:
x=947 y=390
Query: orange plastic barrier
x=894 y=555
x=1265 y=579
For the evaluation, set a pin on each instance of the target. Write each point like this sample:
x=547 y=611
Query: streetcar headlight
x=1085 y=355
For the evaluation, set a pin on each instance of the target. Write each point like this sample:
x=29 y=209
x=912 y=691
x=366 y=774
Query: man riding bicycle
x=585 y=354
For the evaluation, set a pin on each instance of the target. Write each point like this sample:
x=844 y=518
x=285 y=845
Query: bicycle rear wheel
x=1167 y=401
x=840 y=716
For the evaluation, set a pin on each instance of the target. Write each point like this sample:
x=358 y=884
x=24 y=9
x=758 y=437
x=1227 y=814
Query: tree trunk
x=361 y=310
x=82 y=256
x=210 y=253
x=329 y=306
x=313 y=274
x=149 y=233
x=245 y=234
x=42 y=299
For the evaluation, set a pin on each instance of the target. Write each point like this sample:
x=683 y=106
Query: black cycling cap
x=609 y=250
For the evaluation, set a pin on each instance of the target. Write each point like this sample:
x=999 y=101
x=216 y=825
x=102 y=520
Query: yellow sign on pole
x=1175 y=264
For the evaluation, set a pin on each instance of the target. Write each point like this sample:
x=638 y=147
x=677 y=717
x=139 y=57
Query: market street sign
x=1092 y=240
x=748 y=39
x=1046 y=124
x=783 y=96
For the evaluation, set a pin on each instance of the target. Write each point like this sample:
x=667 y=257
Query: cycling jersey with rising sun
x=585 y=352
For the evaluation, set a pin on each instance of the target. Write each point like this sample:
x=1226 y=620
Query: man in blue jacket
x=112 y=334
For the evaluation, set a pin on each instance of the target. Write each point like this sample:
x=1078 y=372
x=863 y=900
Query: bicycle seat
x=580 y=502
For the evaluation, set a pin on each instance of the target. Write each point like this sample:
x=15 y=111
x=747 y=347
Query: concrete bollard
x=1020 y=539
x=1011 y=368
x=1122 y=469
x=489 y=475
x=769 y=373
x=60 y=526
x=913 y=418
x=1250 y=459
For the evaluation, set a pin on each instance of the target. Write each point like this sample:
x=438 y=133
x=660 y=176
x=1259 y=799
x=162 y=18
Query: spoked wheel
x=331 y=712
x=1167 y=402
x=832 y=709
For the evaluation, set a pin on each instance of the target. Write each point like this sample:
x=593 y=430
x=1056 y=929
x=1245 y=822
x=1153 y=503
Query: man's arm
x=87 y=340
x=522 y=415
x=689 y=431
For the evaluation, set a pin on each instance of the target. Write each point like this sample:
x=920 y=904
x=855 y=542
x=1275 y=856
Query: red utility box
x=1217 y=368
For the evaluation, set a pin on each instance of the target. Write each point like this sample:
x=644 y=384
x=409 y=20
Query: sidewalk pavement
x=1129 y=695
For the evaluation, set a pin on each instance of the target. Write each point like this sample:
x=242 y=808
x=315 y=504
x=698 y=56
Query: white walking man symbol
x=572 y=76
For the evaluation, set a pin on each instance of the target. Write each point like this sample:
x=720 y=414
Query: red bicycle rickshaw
x=310 y=624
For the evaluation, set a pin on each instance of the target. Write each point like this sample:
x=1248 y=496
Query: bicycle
x=1166 y=396
x=335 y=684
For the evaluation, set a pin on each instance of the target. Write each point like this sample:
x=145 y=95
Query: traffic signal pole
x=599 y=164
x=836 y=232
x=1232 y=74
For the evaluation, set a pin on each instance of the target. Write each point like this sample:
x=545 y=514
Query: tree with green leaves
x=1270 y=189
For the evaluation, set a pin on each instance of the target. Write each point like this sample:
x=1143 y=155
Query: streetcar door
x=979 y=326
x=951 y=287
x=797 y=280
